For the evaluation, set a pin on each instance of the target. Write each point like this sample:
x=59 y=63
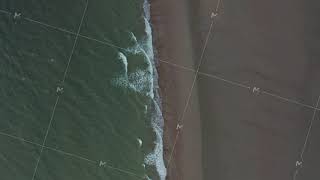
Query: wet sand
x=173 y=42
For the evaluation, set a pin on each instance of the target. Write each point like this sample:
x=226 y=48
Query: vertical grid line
x=58 y=96
x=181 y=119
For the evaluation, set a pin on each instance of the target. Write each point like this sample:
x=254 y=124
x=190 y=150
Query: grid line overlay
x=181 y=118
x=164 y=61
x=68 y=154
x=43 y=146
x=58 y=95
x=238 y=84
x=309 y=130
x=301 y=160
x=198 y=73
x=65 y=31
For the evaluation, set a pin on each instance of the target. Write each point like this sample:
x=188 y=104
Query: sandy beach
x=256 y=90
x=173 y=42
x=265 y=45
x=179 y=31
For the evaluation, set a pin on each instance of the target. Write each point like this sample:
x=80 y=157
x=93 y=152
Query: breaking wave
x=142 y=78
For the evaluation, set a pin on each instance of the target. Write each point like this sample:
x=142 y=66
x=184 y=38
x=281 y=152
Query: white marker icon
x=256 y=90
x=179 y=127
x=102 y=163
x=298 y=163
x=213 y=14
x=16 y=15
x=59 y=90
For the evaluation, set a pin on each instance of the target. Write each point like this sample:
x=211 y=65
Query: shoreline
x=172 y=39
x=168 y=130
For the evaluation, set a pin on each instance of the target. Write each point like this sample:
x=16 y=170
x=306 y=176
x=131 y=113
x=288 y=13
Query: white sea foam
x=144 y=81
x=156 y=157
x=139 y=142
x=141 y=79
x=124 y=60
x=146 y=8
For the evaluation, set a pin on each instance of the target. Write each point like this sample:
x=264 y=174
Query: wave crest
x=141 y=76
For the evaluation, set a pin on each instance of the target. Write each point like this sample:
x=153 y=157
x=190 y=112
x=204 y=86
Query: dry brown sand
x=267 y=44
x=239 y=135
x=178 y=41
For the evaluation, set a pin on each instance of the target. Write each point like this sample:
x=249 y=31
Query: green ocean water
x=105 y=124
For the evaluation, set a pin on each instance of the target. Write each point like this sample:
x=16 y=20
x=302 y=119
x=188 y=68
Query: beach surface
x=253 y=102
x=172 y=35
x=257 y=129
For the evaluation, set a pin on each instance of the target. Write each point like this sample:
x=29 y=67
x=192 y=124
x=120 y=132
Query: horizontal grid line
x=20 y=139
x=5 y=12
x=50 y=26
x=67 y=153
x=67 y=31
x=102 y=42
x=173 y=64
x=176 y=65
x=207 y=74
x=53 y=149
x=70 y=154
x=46 y=147
x=241 y=85
x=43 y=146
x=181 y=118
x=289 y=100
x=225 y=80
x=236 y=84
x=125 y=171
